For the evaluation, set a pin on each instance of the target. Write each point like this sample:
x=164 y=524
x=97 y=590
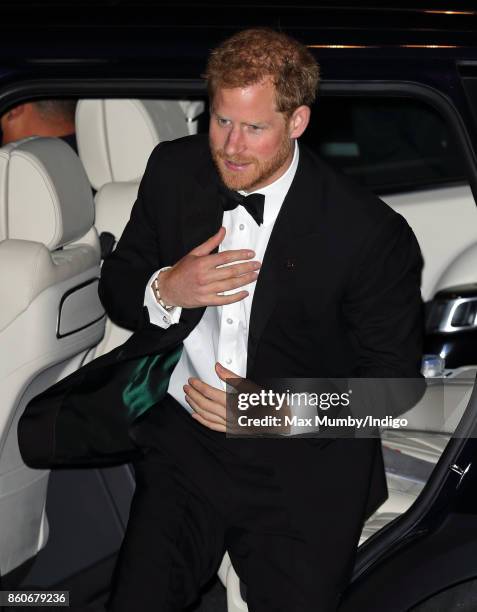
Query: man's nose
x=235 y=142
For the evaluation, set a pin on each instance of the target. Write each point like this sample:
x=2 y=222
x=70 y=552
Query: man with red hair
x=265 y=263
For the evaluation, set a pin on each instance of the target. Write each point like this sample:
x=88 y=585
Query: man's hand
x=207 y=402
x=210 y=405
x=196 y=280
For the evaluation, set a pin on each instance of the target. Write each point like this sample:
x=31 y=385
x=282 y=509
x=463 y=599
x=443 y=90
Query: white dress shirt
x=222 y=333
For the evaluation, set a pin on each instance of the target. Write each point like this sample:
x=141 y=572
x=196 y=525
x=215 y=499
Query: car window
x=387 y=144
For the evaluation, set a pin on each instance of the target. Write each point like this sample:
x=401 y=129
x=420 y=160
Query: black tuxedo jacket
x=338 y=294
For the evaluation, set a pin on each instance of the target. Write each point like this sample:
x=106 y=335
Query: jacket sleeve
x=385 y=312
x=126 y=271
x=383 y=304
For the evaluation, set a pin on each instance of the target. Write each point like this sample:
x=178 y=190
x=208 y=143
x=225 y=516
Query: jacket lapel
x=201 y=214
x=297 y=220
x=200 y=217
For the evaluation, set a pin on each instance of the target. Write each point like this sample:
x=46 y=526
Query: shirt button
x=228 y=361
x=241 y=226
x=230 y=321
x=165 y=319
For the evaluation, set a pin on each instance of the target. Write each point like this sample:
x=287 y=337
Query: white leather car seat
x=115 y=139
x=50 y=314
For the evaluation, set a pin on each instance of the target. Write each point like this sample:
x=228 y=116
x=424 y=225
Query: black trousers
x=289 y=511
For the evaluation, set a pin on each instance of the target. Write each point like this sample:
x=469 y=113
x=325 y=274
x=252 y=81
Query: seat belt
x=106 y=242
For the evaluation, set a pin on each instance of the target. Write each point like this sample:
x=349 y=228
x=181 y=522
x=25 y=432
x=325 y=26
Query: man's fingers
x=205 y=407
x=210 y=417
x=233 y=270
x=197 y=386
x=233 y=283
x=222 y=300
x=210 y=244
x=226 y=257
x=202 y=421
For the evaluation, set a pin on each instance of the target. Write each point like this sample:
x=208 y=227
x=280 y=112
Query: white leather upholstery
x=116 y=137
x=461 y=271
x=433 y=420
x=50 y=313
x=113 y=208
x=231 y=582
x=36 y=172
x=445 y=223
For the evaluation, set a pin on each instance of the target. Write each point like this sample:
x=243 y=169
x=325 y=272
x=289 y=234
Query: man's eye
x=255 y=128
x=222 y=121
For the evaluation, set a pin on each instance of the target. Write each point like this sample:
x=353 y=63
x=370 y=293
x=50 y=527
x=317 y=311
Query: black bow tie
x=253 y=203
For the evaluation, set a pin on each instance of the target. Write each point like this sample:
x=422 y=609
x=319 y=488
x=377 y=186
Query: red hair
x=251 y=56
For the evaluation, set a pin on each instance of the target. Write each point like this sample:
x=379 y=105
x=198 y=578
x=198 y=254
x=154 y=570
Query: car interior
x=53 y=233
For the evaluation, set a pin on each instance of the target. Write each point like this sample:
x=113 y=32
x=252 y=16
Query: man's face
x=251 y=142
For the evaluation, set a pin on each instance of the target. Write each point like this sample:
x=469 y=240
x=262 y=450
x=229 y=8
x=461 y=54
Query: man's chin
x=237 y=183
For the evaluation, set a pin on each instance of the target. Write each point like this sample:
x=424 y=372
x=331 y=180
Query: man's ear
x=15 y=112
x=298 y=121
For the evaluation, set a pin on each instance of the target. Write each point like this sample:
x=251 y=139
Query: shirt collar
x=275 y=192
